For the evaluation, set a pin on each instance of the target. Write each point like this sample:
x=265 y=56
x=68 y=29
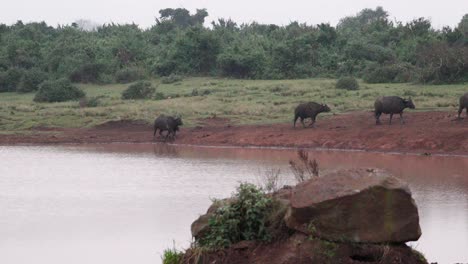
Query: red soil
x=424 y=132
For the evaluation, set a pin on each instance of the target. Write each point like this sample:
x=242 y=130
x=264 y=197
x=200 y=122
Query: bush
x=159 y=96
x=128 y=75
x=10 y=79
x=31 y=80
x=243 y=219
x=87 y=73
x=139 y=90
x=90 y=101
x=58 y=91
x=395 y=73
x=305 y=168
x=171 y=79
x=348 y=83
x=172 y=256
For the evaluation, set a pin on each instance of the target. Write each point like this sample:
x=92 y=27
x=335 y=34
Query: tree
x=181 y=17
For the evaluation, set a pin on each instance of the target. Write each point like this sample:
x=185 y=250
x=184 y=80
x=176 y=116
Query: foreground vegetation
x=242 y=101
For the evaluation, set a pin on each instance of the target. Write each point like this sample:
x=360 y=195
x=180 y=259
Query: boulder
x=359 y=205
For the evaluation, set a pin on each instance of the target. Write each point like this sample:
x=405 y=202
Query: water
x=126 y=203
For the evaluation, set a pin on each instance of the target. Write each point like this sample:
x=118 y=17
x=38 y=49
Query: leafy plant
x=171 y=79
x=159 y=96
x=139 y=90
x=172 y=256
x=127 y=75
x=347 y=83
x=58 y=91
x=90 y=101
x=10 y=79
x=245 y=218
x=31 y=80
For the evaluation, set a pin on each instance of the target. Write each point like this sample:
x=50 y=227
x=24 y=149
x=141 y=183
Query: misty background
x=144 y=12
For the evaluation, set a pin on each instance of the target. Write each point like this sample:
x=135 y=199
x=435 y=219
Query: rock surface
x=360 y=205
x=347 y=217
x=301 y=249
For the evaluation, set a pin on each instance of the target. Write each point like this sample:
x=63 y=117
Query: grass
x=172 y=256
x=242 y=101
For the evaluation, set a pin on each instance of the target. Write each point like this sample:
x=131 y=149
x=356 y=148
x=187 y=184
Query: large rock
x=361 y=205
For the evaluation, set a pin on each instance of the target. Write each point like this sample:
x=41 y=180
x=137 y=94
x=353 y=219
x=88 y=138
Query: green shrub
x=88 y=73
x=31 y=80
x=10 y=79
x=127 y=75
x=395 y=73
x=159 y=96
x=58 y=91
x=195 y=92
x=348 y=83
x=243 y=219
x=90 y=101
x=171 y=79
x=172 y=256
x=139 y=90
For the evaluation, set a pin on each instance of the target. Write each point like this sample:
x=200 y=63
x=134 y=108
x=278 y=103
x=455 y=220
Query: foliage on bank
x=245 y=218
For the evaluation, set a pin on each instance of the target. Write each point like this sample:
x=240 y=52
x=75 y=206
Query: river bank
x=423 y=133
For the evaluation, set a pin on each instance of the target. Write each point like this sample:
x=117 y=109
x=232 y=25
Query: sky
x=144 y=12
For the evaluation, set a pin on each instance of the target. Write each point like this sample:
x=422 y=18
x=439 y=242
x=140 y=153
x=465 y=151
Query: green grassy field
x=243 y=101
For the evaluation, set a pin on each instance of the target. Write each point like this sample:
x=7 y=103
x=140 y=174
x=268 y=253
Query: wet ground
x=423 y=133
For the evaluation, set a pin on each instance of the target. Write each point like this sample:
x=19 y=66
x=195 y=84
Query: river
x=126 y=203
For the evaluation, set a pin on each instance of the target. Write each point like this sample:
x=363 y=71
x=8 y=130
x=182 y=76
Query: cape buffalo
x=463 y=104
x=391 y=105
x=167 y=123
x=309 y=110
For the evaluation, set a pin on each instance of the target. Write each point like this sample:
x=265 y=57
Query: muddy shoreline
x=423 y=133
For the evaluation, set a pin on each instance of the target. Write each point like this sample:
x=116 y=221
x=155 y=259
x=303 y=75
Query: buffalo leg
x=377 y=118
x=295 y=119
x=460 y=110
x=313 y=122
x=402 y=120
x=391 y=116
x=167 y=135
x=155 y=130
x=302 y=121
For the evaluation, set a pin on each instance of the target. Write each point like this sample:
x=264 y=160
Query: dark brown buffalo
x=167 y=123
x=309 y=110
x=391 y=105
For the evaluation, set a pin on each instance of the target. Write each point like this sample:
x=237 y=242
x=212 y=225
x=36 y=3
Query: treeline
x=368 y=45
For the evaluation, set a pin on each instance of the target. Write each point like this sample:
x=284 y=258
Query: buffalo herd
x=383 y=105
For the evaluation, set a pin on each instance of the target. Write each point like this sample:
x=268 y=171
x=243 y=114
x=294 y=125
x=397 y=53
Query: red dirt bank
x=424 y=132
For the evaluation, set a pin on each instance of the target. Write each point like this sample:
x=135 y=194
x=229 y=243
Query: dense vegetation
x=58 y=91
x=368 y=45
x=244 y=218
x=139 y=90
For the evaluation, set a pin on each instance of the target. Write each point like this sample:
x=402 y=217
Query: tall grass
x=172 y=256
